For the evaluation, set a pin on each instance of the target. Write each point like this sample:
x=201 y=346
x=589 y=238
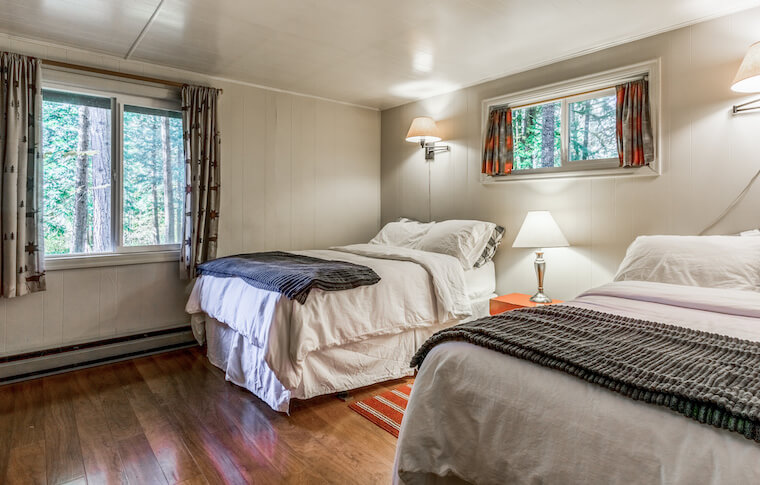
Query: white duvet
x=485 y=417
x=417 y=289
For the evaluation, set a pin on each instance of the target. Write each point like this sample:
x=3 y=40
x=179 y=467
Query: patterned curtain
x=498 y=149
x=22 y=256
x=634 y=125
x=202 y=140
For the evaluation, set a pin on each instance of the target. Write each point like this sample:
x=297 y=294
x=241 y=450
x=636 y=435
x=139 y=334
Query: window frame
x=577 y=90
x=120 y=254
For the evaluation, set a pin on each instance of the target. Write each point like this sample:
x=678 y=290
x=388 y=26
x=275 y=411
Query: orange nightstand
x=513 y=301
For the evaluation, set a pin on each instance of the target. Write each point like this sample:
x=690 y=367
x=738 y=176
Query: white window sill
x=54 y=263
x=559 y=174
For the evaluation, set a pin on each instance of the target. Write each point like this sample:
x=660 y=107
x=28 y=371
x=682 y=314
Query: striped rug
x=385 y=410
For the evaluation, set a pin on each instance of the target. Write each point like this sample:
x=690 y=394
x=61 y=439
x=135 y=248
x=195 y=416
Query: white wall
x=297 y=172
x=707 y=154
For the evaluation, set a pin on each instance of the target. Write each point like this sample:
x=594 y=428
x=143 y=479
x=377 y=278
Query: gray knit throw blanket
x=712 y=378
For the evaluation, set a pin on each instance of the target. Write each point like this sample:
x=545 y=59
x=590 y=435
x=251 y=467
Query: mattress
x=533 y=424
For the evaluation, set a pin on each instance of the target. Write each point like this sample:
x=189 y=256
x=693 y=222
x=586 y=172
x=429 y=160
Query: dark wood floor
x=172 y=418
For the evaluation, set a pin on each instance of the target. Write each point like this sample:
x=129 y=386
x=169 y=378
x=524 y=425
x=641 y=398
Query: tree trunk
x=80 y=183
x=155 y=182
x=100 y=142
x=168 y=184
x=586 y=122
x=547 y=136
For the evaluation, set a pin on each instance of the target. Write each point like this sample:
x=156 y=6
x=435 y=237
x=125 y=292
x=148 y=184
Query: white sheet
x=486 y=417
x=417 y=290
x=480 y=282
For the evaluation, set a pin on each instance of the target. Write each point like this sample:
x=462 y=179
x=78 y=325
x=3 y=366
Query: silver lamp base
x=540 y=298
x=540 y=265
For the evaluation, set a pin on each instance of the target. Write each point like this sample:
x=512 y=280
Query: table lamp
x=539 y=230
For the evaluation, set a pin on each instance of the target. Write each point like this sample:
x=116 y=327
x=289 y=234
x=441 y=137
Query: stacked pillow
x=706 y=261
x=473 y=243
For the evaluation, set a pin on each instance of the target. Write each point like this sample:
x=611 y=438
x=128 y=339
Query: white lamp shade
x=539 y=230
x=747 y=79
x=423 y=129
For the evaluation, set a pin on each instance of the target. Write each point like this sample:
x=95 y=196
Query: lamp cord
x=732 y=204
x=430 y=196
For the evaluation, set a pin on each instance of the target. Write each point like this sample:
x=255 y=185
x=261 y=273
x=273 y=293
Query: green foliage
x=528 y=128
x=591 y=133
x=60 y=131
x=592 y=129
x=143 y=169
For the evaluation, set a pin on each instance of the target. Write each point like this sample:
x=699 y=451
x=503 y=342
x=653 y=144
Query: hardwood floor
x=172 y=418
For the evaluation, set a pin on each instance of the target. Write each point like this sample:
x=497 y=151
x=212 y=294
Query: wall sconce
x=747 y=79
x=424 y=132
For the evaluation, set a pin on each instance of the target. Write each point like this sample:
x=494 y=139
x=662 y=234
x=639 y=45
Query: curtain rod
x=108 y=72
x=645 y=77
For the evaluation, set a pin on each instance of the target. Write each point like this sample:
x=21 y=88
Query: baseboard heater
x=29 y=365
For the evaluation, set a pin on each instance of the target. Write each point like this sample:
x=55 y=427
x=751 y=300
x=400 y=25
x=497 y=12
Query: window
x=536 y=135
x=568 y=129
x=154 y=174
x=540 y=129
x=592 y=128
x=76 y=147
x=113 y=173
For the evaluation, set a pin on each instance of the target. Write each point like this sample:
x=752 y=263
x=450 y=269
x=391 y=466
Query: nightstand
x=513 y=301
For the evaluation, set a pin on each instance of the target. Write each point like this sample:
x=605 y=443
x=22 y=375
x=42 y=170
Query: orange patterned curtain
x=634 y=124
x=498 y=148
x=200 y=126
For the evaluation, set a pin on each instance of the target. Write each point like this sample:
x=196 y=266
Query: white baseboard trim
x=55 y=361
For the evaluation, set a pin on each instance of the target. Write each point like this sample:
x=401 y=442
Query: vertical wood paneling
x=282 y=195
x=303 y=163
x=707 y=157
x=23 y=318
x=52 y=318
x=326 y=153
x=81 y=305
x=233 y=127
x=108 y=301
x=254 y=168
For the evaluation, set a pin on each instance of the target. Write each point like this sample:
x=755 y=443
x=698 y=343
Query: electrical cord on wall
x=732 y=204
x=430 y=199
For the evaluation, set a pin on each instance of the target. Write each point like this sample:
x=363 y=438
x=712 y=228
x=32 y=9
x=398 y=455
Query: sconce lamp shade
x=423 y=130
x=539 y=230
x=747 y=80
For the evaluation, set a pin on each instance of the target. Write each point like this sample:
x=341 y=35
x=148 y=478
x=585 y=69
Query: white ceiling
x=377 y=53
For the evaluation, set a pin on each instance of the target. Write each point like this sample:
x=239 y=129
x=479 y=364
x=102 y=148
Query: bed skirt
x=324 y=372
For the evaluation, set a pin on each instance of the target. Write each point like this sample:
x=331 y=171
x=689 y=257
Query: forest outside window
x=113 y=174
x=571 y=133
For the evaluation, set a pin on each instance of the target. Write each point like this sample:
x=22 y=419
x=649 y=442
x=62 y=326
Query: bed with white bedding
x=481 y=416
x=280 y=349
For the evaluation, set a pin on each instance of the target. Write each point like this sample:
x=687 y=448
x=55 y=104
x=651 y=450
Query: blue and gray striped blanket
x=293 y=275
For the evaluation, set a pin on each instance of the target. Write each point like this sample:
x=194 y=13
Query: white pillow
x=465 y=240
x=706 y=261
x=404 y=233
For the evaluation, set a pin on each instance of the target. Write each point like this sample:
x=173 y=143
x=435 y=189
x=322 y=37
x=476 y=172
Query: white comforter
x=487 y=417
x=417 y=289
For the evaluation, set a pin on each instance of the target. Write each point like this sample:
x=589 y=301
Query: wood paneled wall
x=298 y=172
x=708 y=155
